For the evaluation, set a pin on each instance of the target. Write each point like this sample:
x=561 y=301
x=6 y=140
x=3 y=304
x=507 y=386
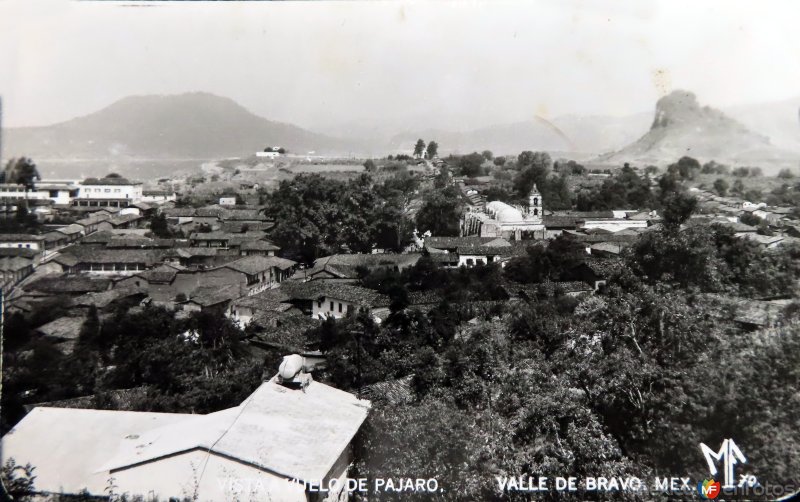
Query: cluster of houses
x=49 y=196
x=782 y=222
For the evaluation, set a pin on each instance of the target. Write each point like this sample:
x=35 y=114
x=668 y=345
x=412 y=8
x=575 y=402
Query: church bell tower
x=535 y=204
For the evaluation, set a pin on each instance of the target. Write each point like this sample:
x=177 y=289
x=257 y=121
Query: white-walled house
x=22 y=241
x=336 y=300
x=60 y=192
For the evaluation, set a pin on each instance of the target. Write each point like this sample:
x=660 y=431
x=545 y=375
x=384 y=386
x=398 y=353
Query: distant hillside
x=194 y=125
x=780 y=120
x=682 y=127
x=588 y=135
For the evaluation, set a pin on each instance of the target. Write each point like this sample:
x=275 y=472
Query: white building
x=22 y=241
x=337 y=300
x=115 y=192
x=290 y=431
x=60 y=192
x=271 y=152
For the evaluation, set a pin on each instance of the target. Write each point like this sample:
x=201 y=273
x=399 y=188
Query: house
x=109 y=300
x=54 y=240
x=78 y=259
x=14 y=268
x=158 y=195
x=258 y=248
x=290 y=432
x=26 y=241
x=114 y=192
x=471 y=250
x=210 y=239
x=263 y=272
x=229 y=200
x=59 y=192
x=73 y=231
x=337 y=300
x=214 y=299
x=63 y=332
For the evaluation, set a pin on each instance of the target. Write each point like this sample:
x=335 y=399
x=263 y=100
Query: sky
x=454 y=64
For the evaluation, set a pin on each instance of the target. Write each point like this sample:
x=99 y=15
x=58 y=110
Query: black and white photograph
x=445 y=250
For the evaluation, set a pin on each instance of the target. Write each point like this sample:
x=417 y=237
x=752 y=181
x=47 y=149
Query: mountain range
x=184 y=126
x=206 y=126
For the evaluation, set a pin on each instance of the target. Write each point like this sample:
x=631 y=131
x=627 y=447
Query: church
x=498 y=219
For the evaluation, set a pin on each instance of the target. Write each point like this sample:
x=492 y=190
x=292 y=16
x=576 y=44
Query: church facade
x=498 y=219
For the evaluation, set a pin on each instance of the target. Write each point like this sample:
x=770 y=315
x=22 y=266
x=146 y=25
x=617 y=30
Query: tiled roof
x=560 y=221
x=104 y=298
x=212 y=295
x=602 y=237
x=259 y=246
x=20 y=237
x=455 y=242
x=102 y=237
x=23 y=252
x=256 y=264
x=14 y=263
x=91 y=254
x=175 y=212
x=69 y=284
x=160 y=275
x=71 y=229
x=398 y=391
x=345 y=265
x=196 y=251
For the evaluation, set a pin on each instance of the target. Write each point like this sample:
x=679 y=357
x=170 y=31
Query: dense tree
x=487 y=154
x=433 y=149
x=316 y=216
x=686 y=168
x=741 y=172
x=369 y=165
x=721 y=186
x=158 y=225
x=441 y=213
x=626 y=189
x=499 y=161
x=785 y=174
x=471 y=165
x=677 y=208
x=23 y=171
x=419 y=148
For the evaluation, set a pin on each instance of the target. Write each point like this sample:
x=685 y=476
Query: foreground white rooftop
x=283 y=432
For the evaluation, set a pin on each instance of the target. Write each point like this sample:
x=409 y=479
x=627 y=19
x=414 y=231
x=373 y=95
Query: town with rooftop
x=200 y=304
